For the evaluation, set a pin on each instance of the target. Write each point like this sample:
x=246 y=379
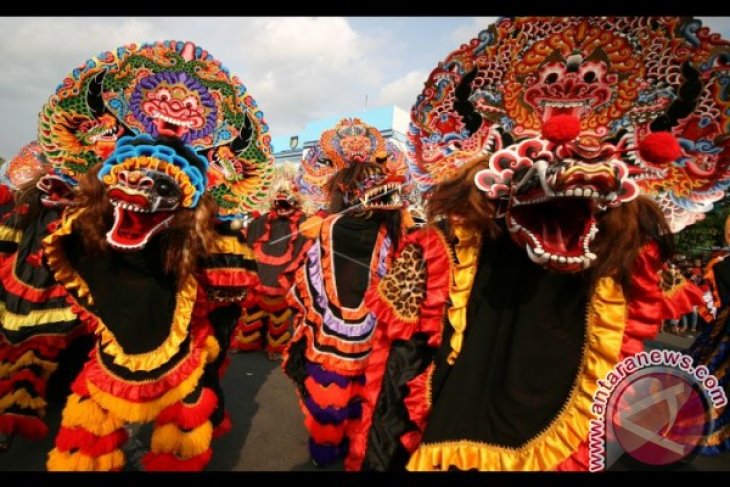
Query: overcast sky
x=297 y=68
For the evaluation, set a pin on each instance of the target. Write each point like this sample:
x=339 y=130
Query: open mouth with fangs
x=383 y=197
x=134 y=224
x=283 y=207
x=56 y=192
x=552 y=210
x=171 y=126
x=556 y=233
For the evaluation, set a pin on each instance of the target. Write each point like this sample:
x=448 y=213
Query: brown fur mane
x=343 y=179
x=185 y=241
x=28 y=194
x=622 y=231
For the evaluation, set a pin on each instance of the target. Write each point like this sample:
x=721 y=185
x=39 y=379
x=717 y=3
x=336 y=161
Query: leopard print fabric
x=404 y=287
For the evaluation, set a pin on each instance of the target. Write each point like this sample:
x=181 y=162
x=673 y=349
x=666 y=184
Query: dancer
x=170 y=152
x=712 y=346
x=333 y=334
x=279 y=248
x=36 y=323
x=539 y=270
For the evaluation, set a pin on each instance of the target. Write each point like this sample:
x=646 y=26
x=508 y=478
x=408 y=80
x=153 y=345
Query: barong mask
x=168 y=89
x=146 y=181
x=576 y=116
x=351 y=141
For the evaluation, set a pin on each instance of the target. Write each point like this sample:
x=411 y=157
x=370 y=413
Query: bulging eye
x=589 y=77
x=191 y=103
x=163 y=95
x=551 y=78
x=165 y=188
x=721 y=61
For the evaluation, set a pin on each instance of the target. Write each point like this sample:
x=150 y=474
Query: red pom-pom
x=5 y=194
x=660 y=148
x=561 y=128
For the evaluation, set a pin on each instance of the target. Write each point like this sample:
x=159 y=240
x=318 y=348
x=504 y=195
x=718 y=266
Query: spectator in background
x=695 y=272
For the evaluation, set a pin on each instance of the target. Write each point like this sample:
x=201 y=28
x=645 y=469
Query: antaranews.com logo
x=654 y=406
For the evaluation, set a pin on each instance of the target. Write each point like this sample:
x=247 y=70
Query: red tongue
x=131 y=228
x=166 y=128
x=552 y=235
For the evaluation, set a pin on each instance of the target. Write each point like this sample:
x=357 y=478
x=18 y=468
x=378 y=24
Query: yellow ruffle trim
x=168 y=438
x=184 y=302
x=14 y=322
x=231 y=245
x=27 y=359
x=213 y=347
x=464 y=270
x=58 y=263
x=63 y=461
x=10 y=234
x=283 y=318
x=243 y=337
x=143 y=412
x=279 y=341
x=250 y=318
x=554 y=445
x=311 y=227
x=86 y=414
x=22 y=398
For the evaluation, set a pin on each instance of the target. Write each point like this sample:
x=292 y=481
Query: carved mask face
x=374 y=189
x=147 y=184
x=553 y=198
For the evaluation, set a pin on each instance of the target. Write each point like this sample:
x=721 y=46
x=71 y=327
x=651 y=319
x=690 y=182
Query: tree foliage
x=700 y=238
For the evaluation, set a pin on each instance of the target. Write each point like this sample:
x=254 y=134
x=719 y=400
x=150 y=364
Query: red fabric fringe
x=647 y=304
x=683 y=300
x=46 y=347
x=324 y=433
x=332 y=395
x=287 y=256
x=30 y=427
x=79 y=385
x=272 y=304
x=144 y=391
x=89 y=444
x=252 y=346
x=22 y=290
x=577 y=462
x=223 y=427
x=224 y=367
x=390 y=328
x=189 y=417
x=167 y=462
x=228 y=277
x=39 y=385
